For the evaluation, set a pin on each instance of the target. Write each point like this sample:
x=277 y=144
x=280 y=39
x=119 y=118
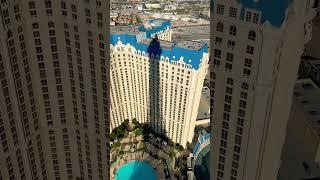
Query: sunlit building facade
x=53 y=90
x=158 y=82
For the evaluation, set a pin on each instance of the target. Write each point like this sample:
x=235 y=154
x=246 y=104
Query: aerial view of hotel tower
x=255 y=52
x=155 y=80
x=53 y=90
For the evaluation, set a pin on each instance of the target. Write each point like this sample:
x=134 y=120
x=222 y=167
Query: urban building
x=255 y=52
x=156 y=81
x=301 y=151
x=54 y=105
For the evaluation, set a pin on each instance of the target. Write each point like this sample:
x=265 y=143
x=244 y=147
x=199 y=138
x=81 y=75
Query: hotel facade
x=53 y=90
x=155 y=80
x=255 y=48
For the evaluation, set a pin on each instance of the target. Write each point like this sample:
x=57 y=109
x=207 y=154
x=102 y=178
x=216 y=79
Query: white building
x=153 y=5
x=157 y=81
x=170 y=7
x=255 y=49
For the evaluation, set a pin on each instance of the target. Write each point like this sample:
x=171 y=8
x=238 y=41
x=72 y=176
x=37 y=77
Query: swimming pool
x=136 y=170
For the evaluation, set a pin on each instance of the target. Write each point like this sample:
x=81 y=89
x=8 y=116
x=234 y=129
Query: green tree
x=116 y=144
x=189 y=146
x=139 y=131
x=171 y=143
x=172 y=154
x=179 y=147
x=113 y=136
x=134 y=121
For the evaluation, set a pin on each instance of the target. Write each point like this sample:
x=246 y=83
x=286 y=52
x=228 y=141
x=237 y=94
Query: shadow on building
x=156 y=116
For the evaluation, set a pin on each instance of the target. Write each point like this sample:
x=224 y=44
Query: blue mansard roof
x=191 y=51
x=160 y=26
x=273 y=11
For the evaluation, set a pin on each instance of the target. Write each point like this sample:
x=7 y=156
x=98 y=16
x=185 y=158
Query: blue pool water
x=135 y=170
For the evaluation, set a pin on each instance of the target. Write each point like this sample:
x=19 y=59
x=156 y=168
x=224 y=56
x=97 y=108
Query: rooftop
x=163 y=44
x=192 y=45
x=199 y=33
x=125 y=30
x=140 y=38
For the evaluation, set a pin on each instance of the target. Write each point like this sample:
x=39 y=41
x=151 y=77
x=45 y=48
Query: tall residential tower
x=53 y=90
x=156 y=81
x=255 y=52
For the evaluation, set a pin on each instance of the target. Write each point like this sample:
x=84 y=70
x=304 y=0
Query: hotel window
x=227 y=98
x=241 y=112
x=32 y=5
x=245 y=86
x=226 y=116
x=255 y=18
x=224 y=134
x=236 y=157
x=227 y=107
x=240 y=121
x=248 y=16
x=234 y=172
x=252 y=35
x=219 y=27
x=217 y=53
x=216 y=62
x=225 y=125
x=243 y=104
x=235 y=164
x=230 y=81
x=221 y=166
x=220 y=174
x=233 y=12
x=236 y=149
x=249 y=49
x=228 y=66
x=220 y=9
x=222 y=159
x=228 y=90
x=218 y=40
x=229 y=57
x=247 y=62
x=233 y=30
x=246 y=72
x=231 y=44
x=243 y=95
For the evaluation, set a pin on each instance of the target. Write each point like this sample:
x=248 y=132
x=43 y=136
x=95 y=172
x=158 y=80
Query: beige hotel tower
x=53 y=89
x=255 y=52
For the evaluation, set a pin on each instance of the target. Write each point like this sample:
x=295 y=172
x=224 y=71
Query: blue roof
x=173 y=53
x=273 y=11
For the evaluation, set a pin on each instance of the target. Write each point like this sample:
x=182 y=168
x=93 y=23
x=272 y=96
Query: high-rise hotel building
x=156 y=81
x=53 y=90
x=255 y=51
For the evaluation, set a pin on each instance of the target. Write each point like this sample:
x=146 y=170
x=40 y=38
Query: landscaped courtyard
x=132 y=141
